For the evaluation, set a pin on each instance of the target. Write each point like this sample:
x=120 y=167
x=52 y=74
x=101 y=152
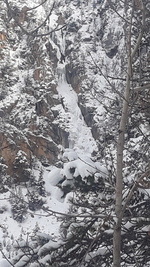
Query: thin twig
x=29 y=9
x=52 y=212
x=141 y=88
x=114 y=9
x=106 y=78
x=133 y=189
x=33 y=33
x=7 y=259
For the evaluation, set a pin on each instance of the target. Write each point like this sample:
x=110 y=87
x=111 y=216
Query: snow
x=24 y=260
x=50 y=245
x=83 y=167
x=81 y=141
x=100 y=251
x=46 y=224
x=70 y=154
x=80 y=136
x=4 y=263
x=55 y=176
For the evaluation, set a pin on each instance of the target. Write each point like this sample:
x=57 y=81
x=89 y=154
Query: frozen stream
x=80 y=136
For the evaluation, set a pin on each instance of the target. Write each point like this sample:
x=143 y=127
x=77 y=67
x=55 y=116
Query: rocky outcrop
x=43 y=148
x=85 y=49
x=31 y=146
x=61 y=135
x=73 y=77
x=9 y=150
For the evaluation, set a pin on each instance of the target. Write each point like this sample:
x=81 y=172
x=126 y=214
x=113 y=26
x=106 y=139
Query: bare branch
x=93 y=241
x=106 y=78
x=34 y=32
x=29 y=9
x=44 y=20
x=52 y=212
x=96 y=169
x=48 y=33
x=116 y=78
x=141 y=88
x=133 y=189
x=139 y=39
x=114 y=9
x=7 y=259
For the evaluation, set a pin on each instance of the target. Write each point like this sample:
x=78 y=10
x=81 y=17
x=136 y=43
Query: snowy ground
x=10 y=230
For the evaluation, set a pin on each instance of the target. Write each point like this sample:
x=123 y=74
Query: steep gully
x=80 y=137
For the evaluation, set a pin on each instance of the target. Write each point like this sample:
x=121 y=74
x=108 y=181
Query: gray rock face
x=32 y=75
x=82 y=54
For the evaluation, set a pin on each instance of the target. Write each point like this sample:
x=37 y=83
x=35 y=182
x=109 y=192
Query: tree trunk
x=119 y=180
x=120 y=143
